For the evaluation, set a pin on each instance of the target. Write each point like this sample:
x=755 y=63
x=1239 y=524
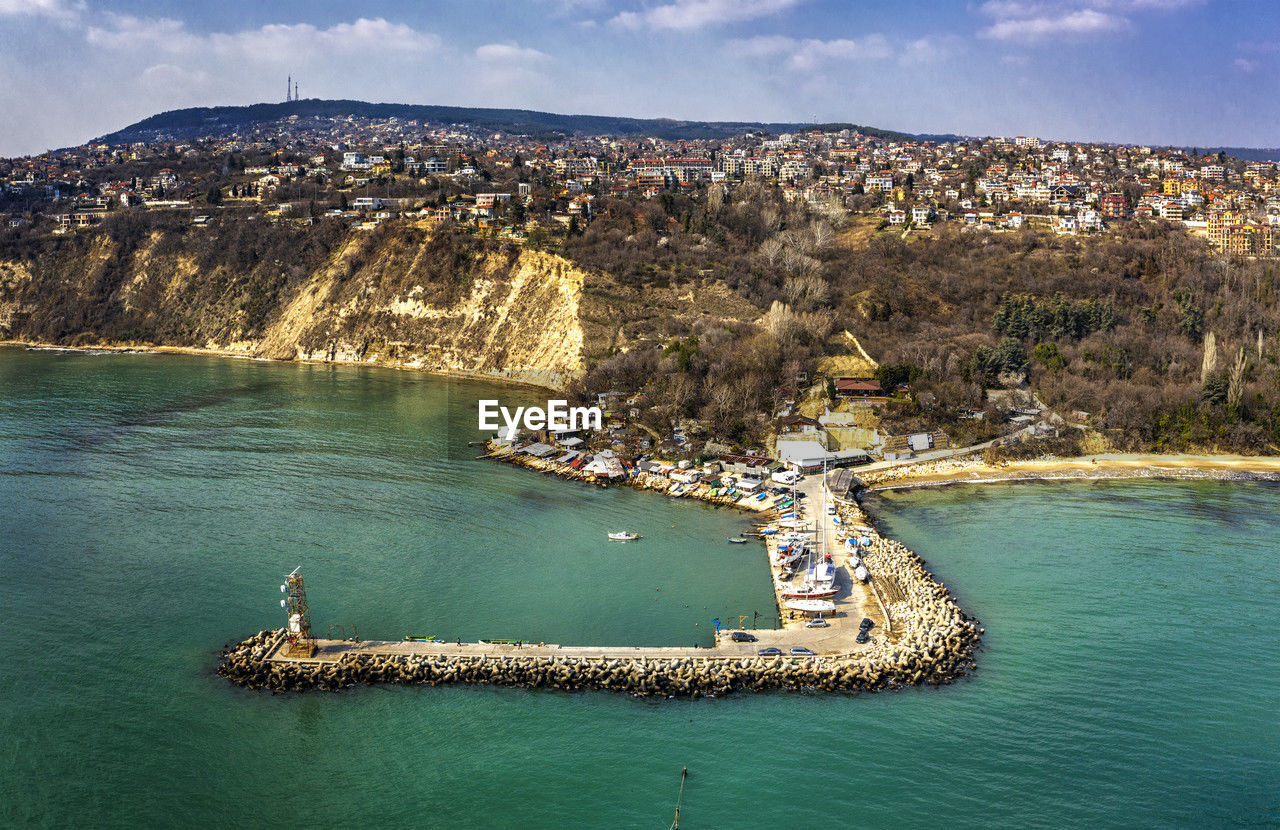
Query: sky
x=1181 y=72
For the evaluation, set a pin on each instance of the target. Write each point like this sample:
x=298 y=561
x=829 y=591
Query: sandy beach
x=973 y=470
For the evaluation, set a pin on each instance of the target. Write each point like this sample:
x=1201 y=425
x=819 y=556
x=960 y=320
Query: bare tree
x=771 y=250
x=1235 y=387
x=1210 y=362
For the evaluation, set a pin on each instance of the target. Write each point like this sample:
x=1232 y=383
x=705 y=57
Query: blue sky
x=1194 y=72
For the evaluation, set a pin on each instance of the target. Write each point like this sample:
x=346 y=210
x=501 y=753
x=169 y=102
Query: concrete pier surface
x=856 y=600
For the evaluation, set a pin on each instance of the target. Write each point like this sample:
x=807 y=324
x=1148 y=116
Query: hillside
x=403 y=296
x=717 y=309
x=196 y=121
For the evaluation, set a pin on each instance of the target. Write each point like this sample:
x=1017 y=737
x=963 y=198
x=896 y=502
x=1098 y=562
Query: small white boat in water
x=624 y=536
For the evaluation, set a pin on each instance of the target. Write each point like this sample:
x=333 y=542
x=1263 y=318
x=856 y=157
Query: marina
x=931 y=640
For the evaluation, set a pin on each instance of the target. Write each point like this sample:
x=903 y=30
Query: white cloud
x=130 y=33
x=1038 y=20
x=763 y=46
x=164 y=76
x=1082 y=22
x=509 y=53
x=810 y=54
x=565 y=7
x=40 y=8
x=931 y=49
x=276 y=42
x=1245 y=65
x=686 y=15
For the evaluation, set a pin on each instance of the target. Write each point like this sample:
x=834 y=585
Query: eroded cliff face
x=409 y=296
x=516 y=318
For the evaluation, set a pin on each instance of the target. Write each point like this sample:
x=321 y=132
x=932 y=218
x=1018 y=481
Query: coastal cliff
x=412 y=296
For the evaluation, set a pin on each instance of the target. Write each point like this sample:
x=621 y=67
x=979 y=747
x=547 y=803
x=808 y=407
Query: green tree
x=1009 y=355
x=1048 y=356
x=891 y=376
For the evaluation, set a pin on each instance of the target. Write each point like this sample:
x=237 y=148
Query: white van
x=785 y=477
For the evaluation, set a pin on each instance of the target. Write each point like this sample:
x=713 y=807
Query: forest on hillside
x=1165 y=344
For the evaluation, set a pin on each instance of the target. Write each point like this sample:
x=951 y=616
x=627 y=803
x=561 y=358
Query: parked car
x=818 y=623
x=770 y=652
x=742 y=637
x=863 y=636
x=801 y=651
x=866 y=624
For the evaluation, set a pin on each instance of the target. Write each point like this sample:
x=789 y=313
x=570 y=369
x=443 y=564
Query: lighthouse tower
x=299 y=641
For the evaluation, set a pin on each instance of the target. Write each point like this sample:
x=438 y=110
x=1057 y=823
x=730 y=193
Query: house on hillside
x=858 y=388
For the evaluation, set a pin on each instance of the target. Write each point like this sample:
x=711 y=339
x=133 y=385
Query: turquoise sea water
x=150 y=504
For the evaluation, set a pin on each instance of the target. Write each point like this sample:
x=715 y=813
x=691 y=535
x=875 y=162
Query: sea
x=150 y=506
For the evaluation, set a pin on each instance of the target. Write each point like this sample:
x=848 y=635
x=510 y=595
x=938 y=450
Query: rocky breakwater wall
x=890 y=665
x=929 y=627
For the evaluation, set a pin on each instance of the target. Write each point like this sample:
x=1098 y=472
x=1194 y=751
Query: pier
x=919 y=636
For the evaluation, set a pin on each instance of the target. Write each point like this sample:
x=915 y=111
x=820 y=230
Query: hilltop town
x=371 y=170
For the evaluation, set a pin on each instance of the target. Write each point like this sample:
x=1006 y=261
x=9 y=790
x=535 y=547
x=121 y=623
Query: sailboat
x=811 y=606
x=820 y=576
x=791 y=549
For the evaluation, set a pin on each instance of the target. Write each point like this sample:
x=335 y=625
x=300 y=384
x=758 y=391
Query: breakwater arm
x=931 y=641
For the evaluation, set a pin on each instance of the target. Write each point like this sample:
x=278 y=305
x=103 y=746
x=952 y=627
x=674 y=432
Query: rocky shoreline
x=639 y=480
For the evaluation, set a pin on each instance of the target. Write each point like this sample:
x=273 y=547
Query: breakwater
x=927 y=639
x=250 y=664
x=919 y=636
